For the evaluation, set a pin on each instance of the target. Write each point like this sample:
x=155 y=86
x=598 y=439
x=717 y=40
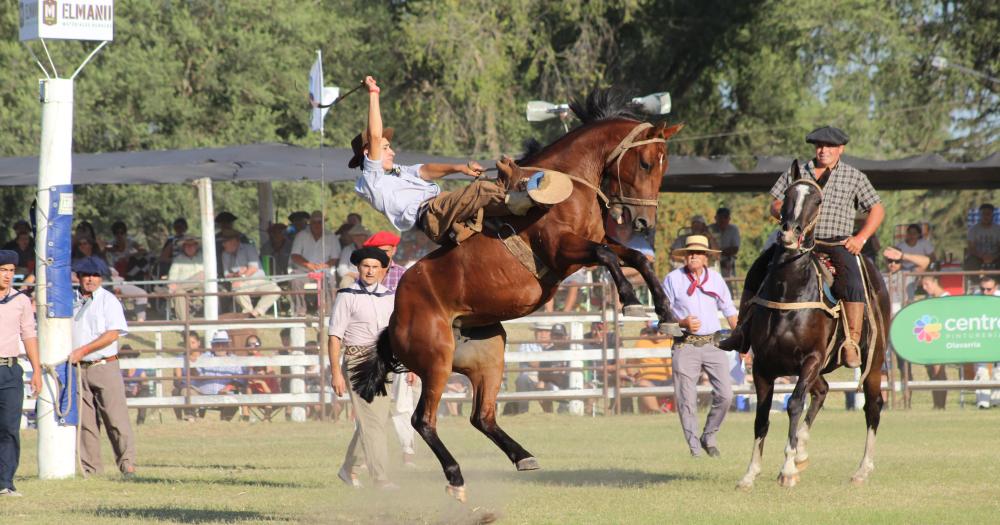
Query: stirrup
x=857 y=353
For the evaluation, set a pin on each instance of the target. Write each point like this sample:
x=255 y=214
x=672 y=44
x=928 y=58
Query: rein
x=812 y=224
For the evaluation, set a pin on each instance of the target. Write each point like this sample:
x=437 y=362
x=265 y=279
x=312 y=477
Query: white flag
x=318 y=94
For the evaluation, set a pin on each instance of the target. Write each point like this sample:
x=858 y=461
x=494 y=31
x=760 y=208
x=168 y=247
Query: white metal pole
x=56 y=443
x=205 y=201
x=576 y=377
x=265 y=208
x=298 y=385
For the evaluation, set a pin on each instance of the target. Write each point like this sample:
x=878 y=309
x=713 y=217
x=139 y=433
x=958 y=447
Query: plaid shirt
x=392 y=276
x=846 y=191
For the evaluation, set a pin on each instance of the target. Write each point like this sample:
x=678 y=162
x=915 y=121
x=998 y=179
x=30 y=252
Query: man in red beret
x=387 y=242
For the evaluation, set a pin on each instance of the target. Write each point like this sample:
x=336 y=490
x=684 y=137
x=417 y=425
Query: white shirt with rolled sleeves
x=701 y=305
x=360 y=313
x=92 y=317
x=316 y=251
x=396 y=195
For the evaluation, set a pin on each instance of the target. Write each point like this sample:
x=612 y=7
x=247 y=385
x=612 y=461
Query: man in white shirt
x=98 y=322
x=240 y=261
x=313 y=250
x=186 y=272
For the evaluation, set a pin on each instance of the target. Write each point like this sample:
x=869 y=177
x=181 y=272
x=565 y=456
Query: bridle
x=812 y=224
x=616 y=156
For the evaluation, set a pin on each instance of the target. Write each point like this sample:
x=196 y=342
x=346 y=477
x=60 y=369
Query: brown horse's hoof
x=634 y=310
x=457 y=493
x=788 y=481
x=528 y=464
x=803 y=465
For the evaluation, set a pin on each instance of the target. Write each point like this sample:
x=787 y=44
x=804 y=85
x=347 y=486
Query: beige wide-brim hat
x=694 y=243
x=552 y=188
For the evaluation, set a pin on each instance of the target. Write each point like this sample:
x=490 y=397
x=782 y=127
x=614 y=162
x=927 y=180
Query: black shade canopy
x=281 y=162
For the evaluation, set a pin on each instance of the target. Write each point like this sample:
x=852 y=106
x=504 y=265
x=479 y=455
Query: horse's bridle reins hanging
x=812 y=224
x=616 y=155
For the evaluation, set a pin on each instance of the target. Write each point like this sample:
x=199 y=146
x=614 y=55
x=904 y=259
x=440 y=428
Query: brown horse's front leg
x=577 y=250
x=640 y=262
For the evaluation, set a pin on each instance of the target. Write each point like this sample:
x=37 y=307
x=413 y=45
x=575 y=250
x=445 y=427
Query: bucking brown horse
x=616 y=163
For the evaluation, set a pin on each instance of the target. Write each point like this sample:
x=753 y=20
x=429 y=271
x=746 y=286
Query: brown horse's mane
x=606 y=104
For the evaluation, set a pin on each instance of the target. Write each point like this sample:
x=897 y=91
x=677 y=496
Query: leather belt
x=697 y=340
x=352 y=350
x=88 y=364
x=8 y=361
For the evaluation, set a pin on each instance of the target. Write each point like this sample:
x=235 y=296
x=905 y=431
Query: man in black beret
x=846 y=191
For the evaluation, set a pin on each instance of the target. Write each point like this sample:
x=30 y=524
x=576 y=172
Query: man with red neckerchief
x=697 y=294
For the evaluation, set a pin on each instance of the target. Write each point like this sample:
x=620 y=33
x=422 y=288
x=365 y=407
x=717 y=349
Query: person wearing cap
x=186 y=273
x=360 y=313
x=529 y=380
x=846 y=191
x=313 y=250
x=98 y=323
x=298 y=221
x=17 y=326
x=697 y=294
x=214 y=380
x=241 y=262
x=346 y=271
x=728 y=237
x=388 y=243
x=277 y=248
x=408 y=196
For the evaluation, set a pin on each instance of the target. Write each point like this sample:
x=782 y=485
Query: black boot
x=737 y=340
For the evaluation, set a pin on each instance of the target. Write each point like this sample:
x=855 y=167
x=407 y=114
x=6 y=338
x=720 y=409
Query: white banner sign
x=67 y=19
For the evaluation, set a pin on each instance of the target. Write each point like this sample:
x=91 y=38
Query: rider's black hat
x=828 y=135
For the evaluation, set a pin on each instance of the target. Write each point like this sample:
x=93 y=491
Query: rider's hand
x=339 y=385
x=854 y=244
x=692 y=323
x=371 y=85
x=473 y=169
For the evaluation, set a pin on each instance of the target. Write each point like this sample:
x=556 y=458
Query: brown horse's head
x=636 y=161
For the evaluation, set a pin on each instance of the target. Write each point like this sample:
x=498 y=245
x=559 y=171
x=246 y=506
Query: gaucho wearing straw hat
x=697 y=294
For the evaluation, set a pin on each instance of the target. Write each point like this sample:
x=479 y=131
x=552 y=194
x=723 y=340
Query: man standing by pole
x=697 y=294
x=98 y=322
x=360 y=313
x=17 y=323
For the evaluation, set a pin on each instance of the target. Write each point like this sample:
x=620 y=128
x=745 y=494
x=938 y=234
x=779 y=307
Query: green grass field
x=931 y=467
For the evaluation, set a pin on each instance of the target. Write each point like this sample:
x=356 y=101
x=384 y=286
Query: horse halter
x=618 y=203
x=812 y=224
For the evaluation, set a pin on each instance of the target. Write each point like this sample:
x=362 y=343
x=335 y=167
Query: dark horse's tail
x=371 y=373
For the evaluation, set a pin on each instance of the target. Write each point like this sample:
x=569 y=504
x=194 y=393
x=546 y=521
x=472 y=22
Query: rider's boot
x=737 y=339
x=851 y=351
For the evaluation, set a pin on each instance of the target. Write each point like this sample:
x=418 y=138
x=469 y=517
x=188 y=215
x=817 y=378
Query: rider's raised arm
x=374 y=121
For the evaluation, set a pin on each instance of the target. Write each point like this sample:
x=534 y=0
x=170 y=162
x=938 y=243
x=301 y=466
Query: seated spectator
x=314 y=250
x=214 y=380
x=654 y=371
x=24 y=246
x=186 y=274
x=21 y=226
x=936 y=372
x=555 y=379
x=728 y=236
x=85 y=229
x=914 y=243
x=121 y=248
x=193 y=349
x=241 y=262
x=172 y=246
x=984 y=242
x=85 y=246
x=988 y=286
x=529 y=380
x=298 y=221
x=347 y=273
x=353 y=219
x=276 y=249
x=267 y=383
x=135 y=380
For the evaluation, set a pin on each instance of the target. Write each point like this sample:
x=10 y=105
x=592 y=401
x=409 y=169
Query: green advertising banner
x=960 y=329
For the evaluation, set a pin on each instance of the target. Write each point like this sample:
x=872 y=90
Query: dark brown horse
x=796 y=342
x=476 y=285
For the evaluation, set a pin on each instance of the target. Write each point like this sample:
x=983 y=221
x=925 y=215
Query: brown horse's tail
x=372 y=373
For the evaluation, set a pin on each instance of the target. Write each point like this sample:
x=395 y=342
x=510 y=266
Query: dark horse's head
x=800 y=210
x=634 y=169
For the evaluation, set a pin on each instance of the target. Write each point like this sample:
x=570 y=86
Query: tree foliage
x=749 y=78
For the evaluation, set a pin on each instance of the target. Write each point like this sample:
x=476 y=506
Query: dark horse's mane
x=606 y=104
